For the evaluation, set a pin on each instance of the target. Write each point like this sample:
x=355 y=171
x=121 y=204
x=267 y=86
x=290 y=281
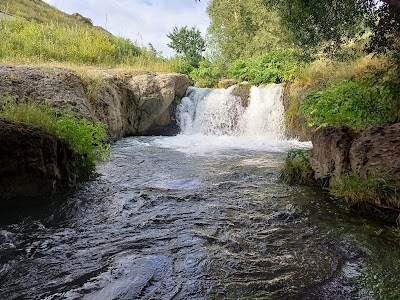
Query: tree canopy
x=189 y=43
x=245 y=28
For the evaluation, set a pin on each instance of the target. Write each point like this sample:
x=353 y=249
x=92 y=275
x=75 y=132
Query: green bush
x=356 y=102
x=278 y=65
x=207 y=74
x=180 y=65
x=84 y=137
x=296 y=168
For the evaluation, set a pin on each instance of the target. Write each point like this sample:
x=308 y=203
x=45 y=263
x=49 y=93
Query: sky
x=142 y=21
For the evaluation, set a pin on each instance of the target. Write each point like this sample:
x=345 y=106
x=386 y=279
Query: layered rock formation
x=34 y=164
x=127 y=104
x=338 y=150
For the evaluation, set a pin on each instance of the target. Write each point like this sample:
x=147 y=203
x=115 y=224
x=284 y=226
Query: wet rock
x=225 y=83
x=34 y=164
x=330 y=154
x=377 y=151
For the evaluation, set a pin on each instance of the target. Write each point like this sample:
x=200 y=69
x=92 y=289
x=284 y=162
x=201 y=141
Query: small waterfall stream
x=201 y=215
x=219 y=112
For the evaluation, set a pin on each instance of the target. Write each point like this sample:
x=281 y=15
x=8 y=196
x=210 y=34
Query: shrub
x=180 y=65
x=355 y=102
x=207 y=74
x=278 y=65
x=296 y=168
x=83 y=136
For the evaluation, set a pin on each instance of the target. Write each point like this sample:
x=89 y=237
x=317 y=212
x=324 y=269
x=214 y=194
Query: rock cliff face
x=337 y=150
x=128 y=105
x=34 y=164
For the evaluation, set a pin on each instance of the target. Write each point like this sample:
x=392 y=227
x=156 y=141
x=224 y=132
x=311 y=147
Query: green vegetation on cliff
x=86 y=139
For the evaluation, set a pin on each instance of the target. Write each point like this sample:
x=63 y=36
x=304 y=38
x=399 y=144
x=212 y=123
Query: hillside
x=36 y=10
x=43 y=35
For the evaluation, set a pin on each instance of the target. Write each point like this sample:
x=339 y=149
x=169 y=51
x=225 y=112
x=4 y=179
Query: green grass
x=377 y=190
x=296 y=168
x=84 y=137
x=46 y=36
x=36 y=10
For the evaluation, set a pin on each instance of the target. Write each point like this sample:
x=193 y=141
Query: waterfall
x=217 y=112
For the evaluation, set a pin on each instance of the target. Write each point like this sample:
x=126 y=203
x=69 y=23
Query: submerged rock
x=34 y=164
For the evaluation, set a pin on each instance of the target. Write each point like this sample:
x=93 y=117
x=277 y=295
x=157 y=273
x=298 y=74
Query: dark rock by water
x=34 y=164
x=330 y=154
x=377 y=150
x=338 y=150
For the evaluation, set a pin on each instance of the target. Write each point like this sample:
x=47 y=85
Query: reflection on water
x=163 y=221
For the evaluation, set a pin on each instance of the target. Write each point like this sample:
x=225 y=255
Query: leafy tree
x=243 y=28
x=189 y=43
x=330 y=24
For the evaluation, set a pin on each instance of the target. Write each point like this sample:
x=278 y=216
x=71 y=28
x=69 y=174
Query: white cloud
x=144 y=21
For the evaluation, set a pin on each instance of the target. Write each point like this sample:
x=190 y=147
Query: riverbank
x=124 y=103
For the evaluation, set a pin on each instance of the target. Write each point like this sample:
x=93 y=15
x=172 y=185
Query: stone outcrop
x=338 y=150
x=34 y=164
x=330 y=153
x=82 y=19
x=127 y=104
x=377 y=151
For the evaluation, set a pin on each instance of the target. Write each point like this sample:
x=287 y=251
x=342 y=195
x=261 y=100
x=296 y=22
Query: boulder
x=329 y=156
x=56 y=86
x=34 y=164
x=377 y=151
x=82 y=19
x=127 y=104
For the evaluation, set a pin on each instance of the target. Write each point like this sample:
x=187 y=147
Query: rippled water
x=168 y=222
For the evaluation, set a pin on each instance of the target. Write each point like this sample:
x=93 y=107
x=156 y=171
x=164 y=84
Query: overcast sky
x=142 y=21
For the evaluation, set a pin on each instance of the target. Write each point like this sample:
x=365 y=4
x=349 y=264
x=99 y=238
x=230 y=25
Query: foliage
x=328 y=25
x=83 y=136
x=297 y=168
x=57 y=42
x=180 y=65
x=355 y=102
x=374 y=189
x=278 y=65
x=36 y=11
x=243 y=29
x=207 y=74
x=188 y=43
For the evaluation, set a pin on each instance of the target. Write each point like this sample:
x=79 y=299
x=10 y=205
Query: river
x=201 y=215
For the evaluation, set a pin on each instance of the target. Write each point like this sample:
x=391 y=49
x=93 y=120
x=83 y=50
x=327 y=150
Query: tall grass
x=36 y=10
x=57 y=43
x=374 y=189
x=296 y=168
x=83 y=136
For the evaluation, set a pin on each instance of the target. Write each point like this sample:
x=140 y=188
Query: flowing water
x=201 y=215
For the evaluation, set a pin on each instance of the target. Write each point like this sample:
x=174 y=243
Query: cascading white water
x=213 y=120
x=218 y=112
